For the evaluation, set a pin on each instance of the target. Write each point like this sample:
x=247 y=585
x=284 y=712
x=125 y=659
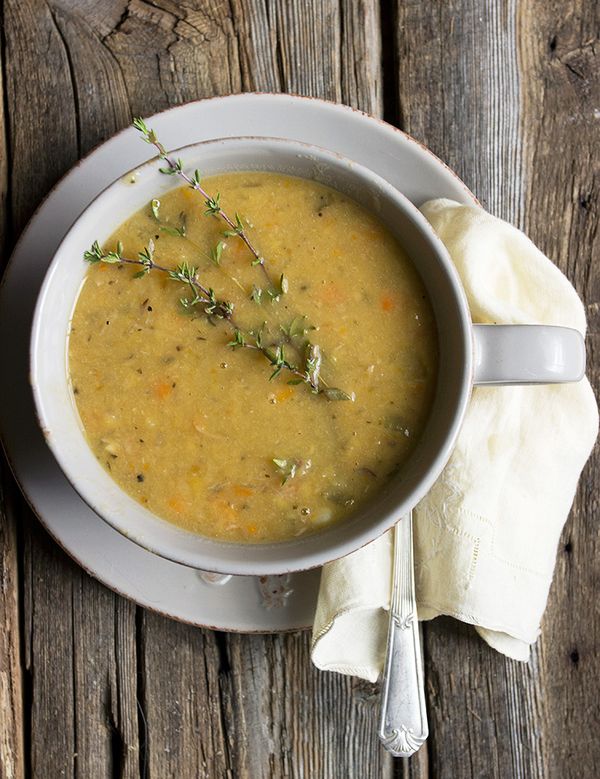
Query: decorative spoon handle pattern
x=403 y=720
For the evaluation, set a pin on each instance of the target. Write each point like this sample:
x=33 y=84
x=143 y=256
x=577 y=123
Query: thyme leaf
x=313 y=365
x=287 y=468
x=237 y=229
x=216 y=252
x=333 y=393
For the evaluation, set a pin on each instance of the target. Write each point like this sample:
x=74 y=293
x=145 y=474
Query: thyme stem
x=213 y=204
x=223 y=310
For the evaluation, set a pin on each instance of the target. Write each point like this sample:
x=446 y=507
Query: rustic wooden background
x=507 y=93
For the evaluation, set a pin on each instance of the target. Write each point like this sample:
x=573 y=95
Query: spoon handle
x=403 y=720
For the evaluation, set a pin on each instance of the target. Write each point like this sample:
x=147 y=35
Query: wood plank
x=459 y=93
x=42 y=132
x=187 y=734
x=81 y=667
x=561 y=97
x=104 y=681
x=80 y=638
x=302 y=722
x=12 y=764
x=499 y=120
x=458 y=90
x=251 y=706
x=361 y=55
x=171 y=53
x=36 y=126
x=49 y=655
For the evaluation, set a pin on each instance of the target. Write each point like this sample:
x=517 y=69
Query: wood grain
x=561 y=132
x=102 y=700
x=459 y=93
x=79 y=678
x=506 y=93
x=480 y=88
x=11 y=694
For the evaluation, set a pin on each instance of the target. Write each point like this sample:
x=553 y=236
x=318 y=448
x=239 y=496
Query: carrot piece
x=176 y=504
x=332 y=294
x=388 y=303
x=241 y=491
x=285 y=394
x=251 y=529
x=224 y=508
x=163 y=390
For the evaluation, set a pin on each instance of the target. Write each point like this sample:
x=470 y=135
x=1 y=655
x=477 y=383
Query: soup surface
x=195 y=430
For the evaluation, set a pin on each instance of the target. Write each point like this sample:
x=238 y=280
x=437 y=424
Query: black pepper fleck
x=140 y=477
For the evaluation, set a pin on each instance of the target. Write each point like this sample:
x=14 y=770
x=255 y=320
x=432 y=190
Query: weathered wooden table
x=507 y=93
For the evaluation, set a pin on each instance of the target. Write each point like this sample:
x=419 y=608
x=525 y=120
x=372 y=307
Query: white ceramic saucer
x=158 y=584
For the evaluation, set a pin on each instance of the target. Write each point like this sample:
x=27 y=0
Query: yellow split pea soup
x=195 y=430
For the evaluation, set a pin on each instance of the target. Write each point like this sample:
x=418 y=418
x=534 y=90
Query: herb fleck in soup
x=194 y=429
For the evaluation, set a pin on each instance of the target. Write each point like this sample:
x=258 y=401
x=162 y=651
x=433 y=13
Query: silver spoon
x=403 y=720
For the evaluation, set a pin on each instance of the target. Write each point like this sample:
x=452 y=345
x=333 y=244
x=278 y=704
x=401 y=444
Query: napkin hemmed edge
x=341 y=613
x=512 y=635
x=426 y=612
x=497 y=637
x=349 y=670
x=370 y=673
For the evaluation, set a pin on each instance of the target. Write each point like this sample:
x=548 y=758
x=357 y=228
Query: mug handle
x=527 y=354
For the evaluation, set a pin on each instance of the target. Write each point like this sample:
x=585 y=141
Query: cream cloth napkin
x=487 y=533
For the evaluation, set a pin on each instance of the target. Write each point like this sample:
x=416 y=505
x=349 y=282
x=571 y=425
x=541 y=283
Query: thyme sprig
x=174 y=167
x=214 y=308
x=184 y=272
x=214 y=254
